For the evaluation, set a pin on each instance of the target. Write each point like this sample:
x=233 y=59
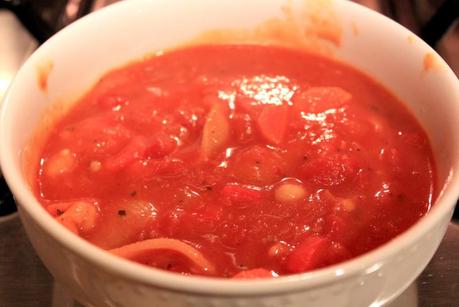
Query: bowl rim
x=367 y=263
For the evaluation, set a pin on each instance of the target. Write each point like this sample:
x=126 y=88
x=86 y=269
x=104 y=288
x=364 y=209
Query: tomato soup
x=239 y=161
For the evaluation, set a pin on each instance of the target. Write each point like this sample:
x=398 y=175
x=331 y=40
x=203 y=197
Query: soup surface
x=238 y=161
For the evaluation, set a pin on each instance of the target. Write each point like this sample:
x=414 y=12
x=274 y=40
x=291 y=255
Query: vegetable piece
x=160 y=146
x=143 y=248
x=134 y=150
x=321 y=98
x=243 y=128
x=62 y=162
x=309 y=255
x=257 y=164
x=216 y=131
x=139 y=147
x=79 y=217
x=290 y=192
x=255 y=274
x=272 y=123
x=124 y=222
x=331 y=170
x=248 y=105
x=242 y=193
x=338 y=253
x=100 y=134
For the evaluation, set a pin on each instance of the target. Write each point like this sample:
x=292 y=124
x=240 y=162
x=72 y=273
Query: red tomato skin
x=309 y=255
x=241 y=193
x=272 y=123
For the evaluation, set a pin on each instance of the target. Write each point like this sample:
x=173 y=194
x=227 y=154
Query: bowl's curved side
x=94 y=285
x=100 y=279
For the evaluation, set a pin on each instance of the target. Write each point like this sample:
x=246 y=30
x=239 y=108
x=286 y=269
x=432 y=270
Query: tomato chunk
x=257 y=164
x=238 y=193
x=330 y=170
x=133 y=151
x=321 y=98
x=272 y=123
x=160 y=146
x=254 y=274
x=311 y=254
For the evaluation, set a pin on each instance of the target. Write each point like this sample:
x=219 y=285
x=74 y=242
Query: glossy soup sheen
x=237 y=161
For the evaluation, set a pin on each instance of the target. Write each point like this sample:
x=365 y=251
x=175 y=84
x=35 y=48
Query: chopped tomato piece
x=247 y=104
x=338 y=253
x=134 y=150
x=272 y=123
x=139 y=147
x=330 y=170
x=211 y=213
x=160 y=146
x=254 y=274
x=190 y=116
x=257 y=164
x=321 y=98
x=105 y=136
x=243 y=128
x=309 y=255
x=111 y=101
x=241 y=193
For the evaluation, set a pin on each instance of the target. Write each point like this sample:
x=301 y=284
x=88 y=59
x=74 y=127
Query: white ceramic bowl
x=128 y=30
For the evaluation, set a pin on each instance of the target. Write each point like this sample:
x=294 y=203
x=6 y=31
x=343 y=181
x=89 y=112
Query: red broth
x=237 y=161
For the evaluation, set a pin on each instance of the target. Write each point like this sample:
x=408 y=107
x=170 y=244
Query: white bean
x=289 y=192
x=95 y=166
